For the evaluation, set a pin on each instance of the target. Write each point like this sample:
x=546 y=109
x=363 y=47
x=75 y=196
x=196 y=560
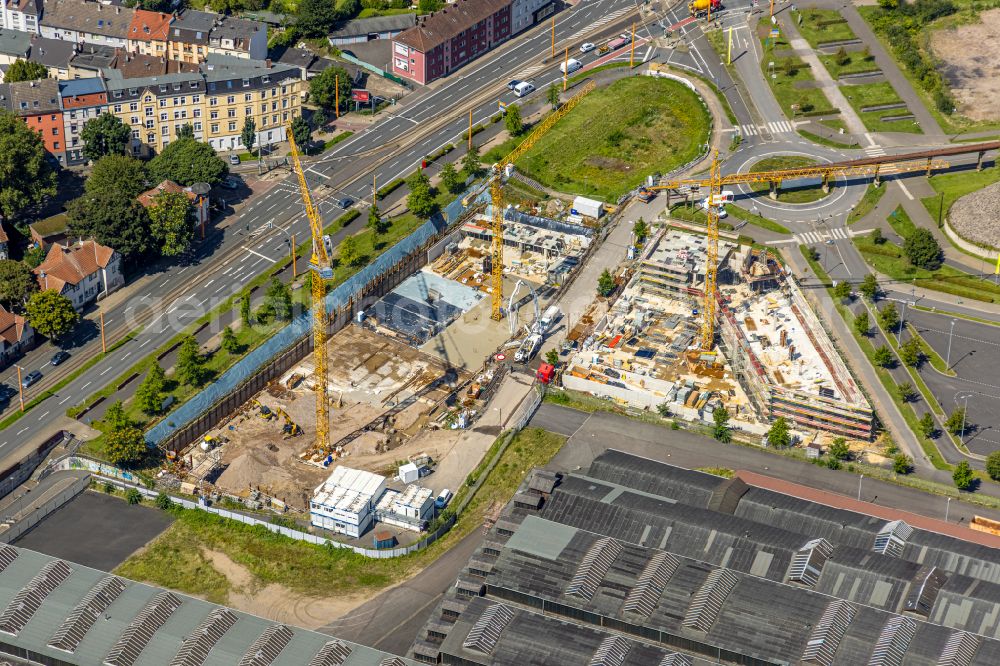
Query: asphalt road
x=975 y=356
x=244 y=246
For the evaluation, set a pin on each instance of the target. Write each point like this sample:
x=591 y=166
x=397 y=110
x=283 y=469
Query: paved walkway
x=887 y=64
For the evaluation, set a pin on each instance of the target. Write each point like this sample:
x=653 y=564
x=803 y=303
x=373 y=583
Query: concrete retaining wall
x=967 y=246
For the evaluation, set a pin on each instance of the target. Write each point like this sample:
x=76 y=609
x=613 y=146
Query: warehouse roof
x=62 y=611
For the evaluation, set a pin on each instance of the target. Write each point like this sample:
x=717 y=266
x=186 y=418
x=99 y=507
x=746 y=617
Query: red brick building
x=37 y=103
x=443 y=41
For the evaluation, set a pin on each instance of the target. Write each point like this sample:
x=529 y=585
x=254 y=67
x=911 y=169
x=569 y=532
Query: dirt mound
x=974 y=216
x=609 y=163
x=973 y=74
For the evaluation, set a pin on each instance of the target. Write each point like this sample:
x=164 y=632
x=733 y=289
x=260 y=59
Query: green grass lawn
x=856 y=64
x=815 y=33
x=797 y=194
x=956 y=185
x=950 y=123
x=783 y=78
x=889 y=260
x=618 y=135
x=873 y=94
x=176 y=558
x=867 y=204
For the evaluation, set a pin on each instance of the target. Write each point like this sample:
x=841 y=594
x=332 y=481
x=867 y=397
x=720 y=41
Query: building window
x=197 y=113
x=197 y=127
x=55 y=131
x=149 y=112
x=247 y=97
x=213 y=101
x=196 y=99
x=163 y=116
x=135 y=121
x=118 y=108
x=248 y=111
x=231 y=113
x=215 y=128
x=56 y=145
x=232 y=127
x=213 y=114
x=165 y=130
x=149 y=124
x=163 y=102
x=231 y=99
x=134 y=106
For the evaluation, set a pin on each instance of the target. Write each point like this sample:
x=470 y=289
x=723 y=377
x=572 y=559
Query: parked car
x=587 y=47
x=232 y=183
x=234 y=159
x=442 y=499
x=30 y=378
x=513 y=84
x=59 y=357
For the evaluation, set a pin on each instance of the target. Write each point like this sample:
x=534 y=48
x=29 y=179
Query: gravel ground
x=975 y=216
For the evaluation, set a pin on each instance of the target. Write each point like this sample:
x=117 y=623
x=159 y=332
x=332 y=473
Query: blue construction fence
x=246 y=368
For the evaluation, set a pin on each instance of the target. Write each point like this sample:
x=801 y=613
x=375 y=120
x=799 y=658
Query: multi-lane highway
x=258 y=236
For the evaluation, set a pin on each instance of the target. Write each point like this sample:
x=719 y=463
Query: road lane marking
x=207 y=284
x=126 y=356
x=21 y=431
x=106 y=371
x=85 y=385
x=261 y=256
x=64 y=400
x=148 y=340
x=43 y=415
x=905 y=191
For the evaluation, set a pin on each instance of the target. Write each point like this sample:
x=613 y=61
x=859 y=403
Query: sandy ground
x=276 y=602
x=972 y=73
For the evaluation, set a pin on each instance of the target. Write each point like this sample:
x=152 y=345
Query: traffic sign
x=500 y=357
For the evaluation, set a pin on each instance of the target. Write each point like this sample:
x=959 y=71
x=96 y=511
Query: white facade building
x=345 y=502
x=409 y=509
x=526 y=13
x=19 y=15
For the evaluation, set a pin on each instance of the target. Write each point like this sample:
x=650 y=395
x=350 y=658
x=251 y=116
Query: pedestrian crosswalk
x=774 y=127
x=812 y=237
x=875 y=151
x=526 y=73
x=604 y=20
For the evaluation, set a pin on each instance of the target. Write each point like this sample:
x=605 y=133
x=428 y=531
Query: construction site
x=772 y=359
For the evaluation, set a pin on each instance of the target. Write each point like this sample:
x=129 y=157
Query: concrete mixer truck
x=699 y=7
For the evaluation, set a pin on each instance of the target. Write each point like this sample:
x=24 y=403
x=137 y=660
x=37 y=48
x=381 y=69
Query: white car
x=587 y=47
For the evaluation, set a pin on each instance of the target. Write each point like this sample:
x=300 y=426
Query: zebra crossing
x=875 y=151
x=812 y=237
x=607 y=18
x=774 y=127
x=527 y=73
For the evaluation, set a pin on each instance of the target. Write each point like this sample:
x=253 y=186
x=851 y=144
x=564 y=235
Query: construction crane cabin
x=321 y=271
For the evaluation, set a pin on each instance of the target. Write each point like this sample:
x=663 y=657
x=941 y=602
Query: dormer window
x=266 y=79
x=246 y=83
x=177 y=86
x=163 y=87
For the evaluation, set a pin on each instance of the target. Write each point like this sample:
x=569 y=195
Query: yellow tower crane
x=320 y=265
x=716 y=181
x=496 y=191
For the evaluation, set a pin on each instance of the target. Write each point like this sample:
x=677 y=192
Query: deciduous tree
x=51 y=314
x=605 y=283
x=230 y=343
x=869 y=287
x=471 y=165
x=449 y=178
x=888 y=317
x=349 y=254
x=248 y=137
x=906 y=392
x=301 y=132
x=171 y=223
x=552 y=96
x=25 y=70
x=105 y=135
x=779 y=436
x=26 y=173
x=17 y=283
x=641 y=231
x=188 y=161
x=902 y=463
x=324 y=86
x=922 y=249
x=883 y=357
x=123 y=448
x=420 y=200
x=121 y=175
x=115 y=417
x=721 y=430
x=956 y=423
x=113 y=220
x=993 y=465
x=927 y=425
x=862 y=325
x=963 y=476
x=315 y=18
x=512 y=120
x=842 y=290
x=279 y=297
x=911 y=353
x=839 y=449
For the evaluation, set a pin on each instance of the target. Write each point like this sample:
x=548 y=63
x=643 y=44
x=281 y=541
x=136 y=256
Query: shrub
x=163 y=501
x=133 y=496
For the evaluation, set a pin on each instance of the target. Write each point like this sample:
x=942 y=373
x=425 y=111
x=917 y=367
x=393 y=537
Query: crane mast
x=496 y=193
x=320 y=265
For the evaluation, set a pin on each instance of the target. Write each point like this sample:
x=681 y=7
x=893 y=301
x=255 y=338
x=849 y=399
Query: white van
x=570 y=66
x=442 y=499
x=523 y=88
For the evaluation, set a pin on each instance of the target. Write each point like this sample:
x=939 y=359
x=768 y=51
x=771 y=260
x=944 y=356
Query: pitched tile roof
x=88 y=16
x=438 y=27
x=29 y=98
x=11 y=326
x=365 y=26
x=148 y=197
x=69 y=264
x=149 y=26
x=137 y=65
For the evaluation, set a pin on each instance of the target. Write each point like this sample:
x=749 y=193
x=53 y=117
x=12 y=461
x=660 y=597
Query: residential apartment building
x=148 y=33
x=81 y=100
x=83 y=272
x=188 y=41
x=20 y=15
x=14 y=45
x=16 y=336
x=37 y=103
x=238 y=37
x=86 y=21
x=157 y=107
x=272 y=97
x=55 y=54
x=446 y=40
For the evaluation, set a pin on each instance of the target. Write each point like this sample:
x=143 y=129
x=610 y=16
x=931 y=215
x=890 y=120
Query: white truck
x=528 y=348
x=549 y=318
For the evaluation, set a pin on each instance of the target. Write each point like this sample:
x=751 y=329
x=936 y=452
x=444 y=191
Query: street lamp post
x=20 y=387
x=899 y=327
x=947 y=508
x=947 y=363
x=965 y=412
x=860 y=479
